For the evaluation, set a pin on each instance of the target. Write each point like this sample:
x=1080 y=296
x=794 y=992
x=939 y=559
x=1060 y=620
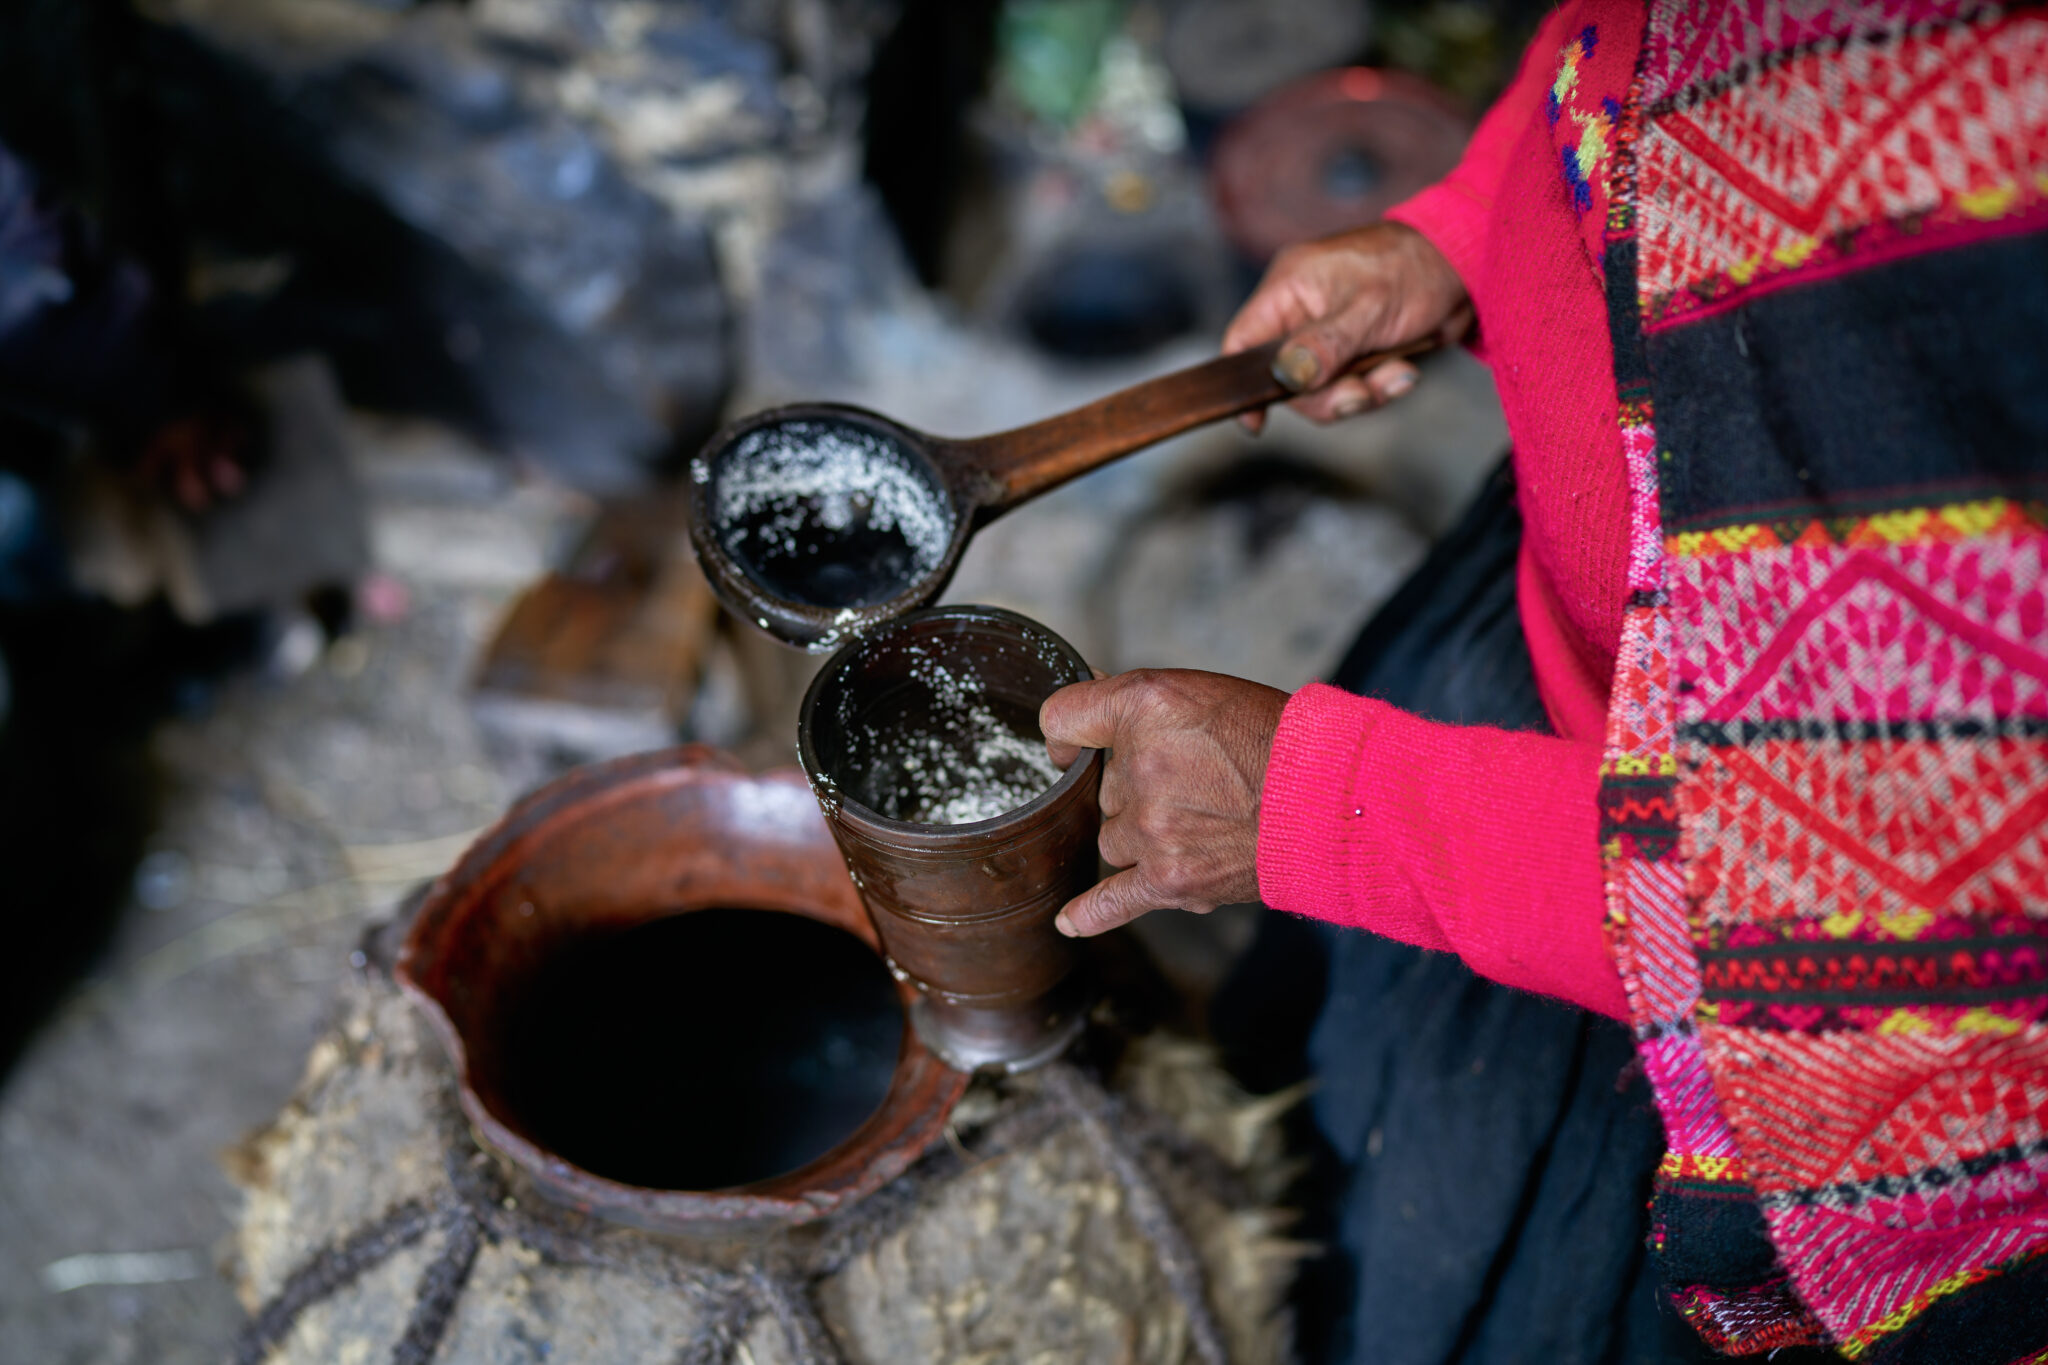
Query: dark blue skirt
x=1484 y=1155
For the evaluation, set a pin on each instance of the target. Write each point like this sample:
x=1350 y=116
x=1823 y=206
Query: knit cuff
x=1316 y=853
x=1471 y=840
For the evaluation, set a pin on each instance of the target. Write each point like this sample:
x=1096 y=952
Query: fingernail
x=1350 y=407
x=1064 y=925
x=1297 y=368
x=1398 y=384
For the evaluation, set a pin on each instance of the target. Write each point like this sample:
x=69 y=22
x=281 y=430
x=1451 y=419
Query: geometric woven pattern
x=1825 y=787
x=1906 y=631
x=1914 y=1163
x=1871 y=837
x=1691 y=46
x=1756 y=180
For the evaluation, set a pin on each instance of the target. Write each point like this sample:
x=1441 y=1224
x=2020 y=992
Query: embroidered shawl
x=1825 y=792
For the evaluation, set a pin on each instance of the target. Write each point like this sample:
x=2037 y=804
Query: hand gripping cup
x=921 y=742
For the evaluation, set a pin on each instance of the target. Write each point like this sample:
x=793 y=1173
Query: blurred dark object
x=131 y=450
x=580 y=321
x=1468 y=47
x=75 y=324
x=452 y=201
x=1095 y=300
x=79 y=789
x=1333 y=151
x=1236 y=571
x=1227 y=54
x=199 y=457
x=1106 y=262
x=298 y=528
x=928 y=72
x=602 y=657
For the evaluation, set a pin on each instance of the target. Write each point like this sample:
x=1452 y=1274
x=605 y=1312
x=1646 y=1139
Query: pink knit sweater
x=1464 y=839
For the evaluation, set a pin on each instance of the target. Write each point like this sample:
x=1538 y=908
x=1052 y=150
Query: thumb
x=1320 y=352
x=1079 y=716
x=1118 y=900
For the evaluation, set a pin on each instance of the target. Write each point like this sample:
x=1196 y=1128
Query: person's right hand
x=1337 y=299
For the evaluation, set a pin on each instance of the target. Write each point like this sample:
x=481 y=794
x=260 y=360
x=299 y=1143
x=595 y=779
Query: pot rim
x=909 y=1120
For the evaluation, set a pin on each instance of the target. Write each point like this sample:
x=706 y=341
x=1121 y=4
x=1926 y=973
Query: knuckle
x=1175 y=880
x=1154 y=823
x=1147 y=769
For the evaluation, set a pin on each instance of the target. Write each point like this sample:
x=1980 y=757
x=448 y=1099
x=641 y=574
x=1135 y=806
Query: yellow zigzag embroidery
x=1900 y=526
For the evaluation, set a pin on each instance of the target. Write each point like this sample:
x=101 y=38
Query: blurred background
x=348 y=350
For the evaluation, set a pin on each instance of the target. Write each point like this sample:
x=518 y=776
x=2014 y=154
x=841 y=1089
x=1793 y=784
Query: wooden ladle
x=815 y=520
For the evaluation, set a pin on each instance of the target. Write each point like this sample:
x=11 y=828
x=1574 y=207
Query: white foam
x=969 y=764
x=804 y=474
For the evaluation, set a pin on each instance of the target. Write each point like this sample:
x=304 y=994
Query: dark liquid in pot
x=703 y=1051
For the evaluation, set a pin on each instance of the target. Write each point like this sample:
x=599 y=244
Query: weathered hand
x=1180 y=789
x=1338 y=298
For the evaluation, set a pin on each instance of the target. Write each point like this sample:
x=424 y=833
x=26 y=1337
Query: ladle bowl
x=605 y=850
x=814 y=521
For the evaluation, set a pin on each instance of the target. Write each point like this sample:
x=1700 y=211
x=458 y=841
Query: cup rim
x=1023 y=816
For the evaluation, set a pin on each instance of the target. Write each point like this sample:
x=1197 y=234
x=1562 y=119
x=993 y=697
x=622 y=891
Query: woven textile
x=1825 y=792
x=1782 y=163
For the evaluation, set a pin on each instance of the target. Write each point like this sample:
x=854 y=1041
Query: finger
x=227 y=476
x=1320 y=351
x=1347 y=397
x=1063 y=749
x=1253 y=422
x=1082 y=715
x=1118 y=900
x=1062 y=755
x=1350 y=396
x=1392 y=380
x=1120 y=843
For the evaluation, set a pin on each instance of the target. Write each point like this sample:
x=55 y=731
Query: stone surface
x=1032 y=1240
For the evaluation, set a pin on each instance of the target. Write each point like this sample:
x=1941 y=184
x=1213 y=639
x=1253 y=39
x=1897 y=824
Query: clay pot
x=616 y=845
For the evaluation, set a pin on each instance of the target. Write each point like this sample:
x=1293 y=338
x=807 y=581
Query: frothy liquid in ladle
x=827 y=513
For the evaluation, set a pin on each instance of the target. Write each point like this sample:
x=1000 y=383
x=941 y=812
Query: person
x=1762 y=287
x=85 y=348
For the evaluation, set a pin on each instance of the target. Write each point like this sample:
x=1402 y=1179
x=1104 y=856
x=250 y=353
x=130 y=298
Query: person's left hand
x=197 y=458
x=1180 y=787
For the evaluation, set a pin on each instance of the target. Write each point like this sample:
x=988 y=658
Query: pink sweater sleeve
x=1469 y=840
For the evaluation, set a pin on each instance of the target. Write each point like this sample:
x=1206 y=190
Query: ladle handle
x=1012 y=466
